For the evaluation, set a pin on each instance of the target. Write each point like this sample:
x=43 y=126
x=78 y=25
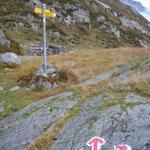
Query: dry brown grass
x=84 y=64
x=133 y=80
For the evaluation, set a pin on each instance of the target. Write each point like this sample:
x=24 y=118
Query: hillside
x=79 y=24
x=138 y=7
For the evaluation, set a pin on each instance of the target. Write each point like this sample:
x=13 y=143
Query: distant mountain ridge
x=138 y=7
x=134 y=4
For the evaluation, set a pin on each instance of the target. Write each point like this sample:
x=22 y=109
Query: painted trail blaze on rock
x=96 y=143
x=122 y=147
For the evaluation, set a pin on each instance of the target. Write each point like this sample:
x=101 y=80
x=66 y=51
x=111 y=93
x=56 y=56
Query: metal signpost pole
x=44 y=39
x=46 y=13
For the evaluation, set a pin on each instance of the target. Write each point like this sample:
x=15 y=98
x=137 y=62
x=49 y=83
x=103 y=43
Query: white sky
x=145 y=3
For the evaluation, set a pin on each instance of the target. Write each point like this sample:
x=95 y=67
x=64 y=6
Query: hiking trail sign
x=96 y=143
x=46 y=13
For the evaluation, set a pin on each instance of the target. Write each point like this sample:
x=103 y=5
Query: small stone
x=16 y=88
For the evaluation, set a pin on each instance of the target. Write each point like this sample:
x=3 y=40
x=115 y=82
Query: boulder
x=10 y=59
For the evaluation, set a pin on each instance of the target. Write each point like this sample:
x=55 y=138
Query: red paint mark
x=96 y=143
x=122 y=147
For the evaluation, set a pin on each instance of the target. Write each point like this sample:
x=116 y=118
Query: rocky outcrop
x=110 y=28
x=131 y=24
x=114 y=124
x=19 y=130
x=81 y=15
x=3 y=40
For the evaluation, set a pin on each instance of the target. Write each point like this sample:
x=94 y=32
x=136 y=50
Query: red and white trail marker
x=122 y=147
x=96 y=143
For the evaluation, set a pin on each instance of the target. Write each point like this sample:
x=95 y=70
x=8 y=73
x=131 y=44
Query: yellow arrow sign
x=47 y=12
x=38 y=10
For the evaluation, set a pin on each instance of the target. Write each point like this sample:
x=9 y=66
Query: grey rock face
x=10 y=59
x=116 y=126
x=101 y=19
x=131 y=24
x=19 y=130
x=3 y=40
x=110 y=28
x=81 y=15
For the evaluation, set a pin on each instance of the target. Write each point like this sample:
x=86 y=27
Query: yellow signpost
x=38 y=10
x=46 y=13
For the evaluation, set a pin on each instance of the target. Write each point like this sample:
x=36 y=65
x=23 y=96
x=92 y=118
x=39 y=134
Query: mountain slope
x=79 y=24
